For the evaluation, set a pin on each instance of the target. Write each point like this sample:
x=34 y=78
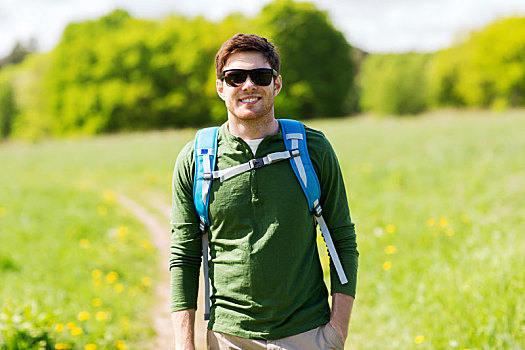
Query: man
x=267 y=280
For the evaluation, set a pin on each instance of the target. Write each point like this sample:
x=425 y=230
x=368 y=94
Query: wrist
x=340 y=330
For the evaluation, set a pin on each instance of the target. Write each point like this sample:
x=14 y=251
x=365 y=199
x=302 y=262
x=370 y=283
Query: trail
x=160 y=237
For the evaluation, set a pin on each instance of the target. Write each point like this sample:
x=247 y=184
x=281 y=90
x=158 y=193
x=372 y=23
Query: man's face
x=248 y=101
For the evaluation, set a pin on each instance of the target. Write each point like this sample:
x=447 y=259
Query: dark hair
x=246 y=42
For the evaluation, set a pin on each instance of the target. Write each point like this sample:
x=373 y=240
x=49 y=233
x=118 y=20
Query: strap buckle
x=318 y=211
x=202 y=225
x=256 y=163
x=207 y=176
x=294 y=153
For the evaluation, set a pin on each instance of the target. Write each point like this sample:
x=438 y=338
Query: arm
x=341 y=310
x=183 y=327
x=185 y=252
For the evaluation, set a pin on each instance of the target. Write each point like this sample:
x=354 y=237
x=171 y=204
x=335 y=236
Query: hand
x=342 y=332
x=341 y=310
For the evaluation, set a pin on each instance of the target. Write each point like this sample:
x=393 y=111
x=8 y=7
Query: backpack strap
x=295 y=138
x=205 y=160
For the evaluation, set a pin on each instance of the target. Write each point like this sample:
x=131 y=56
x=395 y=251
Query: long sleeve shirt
x=266 y=276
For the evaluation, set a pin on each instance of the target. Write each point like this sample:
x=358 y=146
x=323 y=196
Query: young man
x=266 y=277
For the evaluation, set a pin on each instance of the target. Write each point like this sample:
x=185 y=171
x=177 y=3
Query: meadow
x=437 y=200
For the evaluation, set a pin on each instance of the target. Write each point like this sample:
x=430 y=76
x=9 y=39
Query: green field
x=438 y=203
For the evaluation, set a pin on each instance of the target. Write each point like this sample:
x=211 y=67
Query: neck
x=252 y=129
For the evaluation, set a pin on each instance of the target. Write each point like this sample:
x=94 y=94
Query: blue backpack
x=296 y=151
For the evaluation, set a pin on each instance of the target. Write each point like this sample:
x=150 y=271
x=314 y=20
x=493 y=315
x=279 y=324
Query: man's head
x=247 y=78
x=246 y=42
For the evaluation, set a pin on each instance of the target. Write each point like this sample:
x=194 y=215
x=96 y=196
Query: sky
x=377 y=26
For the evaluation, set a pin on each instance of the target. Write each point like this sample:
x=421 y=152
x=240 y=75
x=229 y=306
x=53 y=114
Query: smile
x=250 y=99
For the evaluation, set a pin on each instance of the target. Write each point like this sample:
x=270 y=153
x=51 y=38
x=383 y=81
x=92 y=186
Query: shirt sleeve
x=336 y=212
x=186 y=238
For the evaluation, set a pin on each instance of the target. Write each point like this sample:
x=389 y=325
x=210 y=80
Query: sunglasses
x=260 y=76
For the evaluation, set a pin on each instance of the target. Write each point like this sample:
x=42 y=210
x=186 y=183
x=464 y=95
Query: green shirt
x=266 y=276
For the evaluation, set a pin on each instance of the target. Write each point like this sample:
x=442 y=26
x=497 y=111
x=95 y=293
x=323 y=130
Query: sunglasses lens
x=262 y=78
x=235 y=78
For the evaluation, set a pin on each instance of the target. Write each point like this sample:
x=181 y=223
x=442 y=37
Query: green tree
x=8 y=109
x=487 y=70
x=395 y=83
x=317 y=67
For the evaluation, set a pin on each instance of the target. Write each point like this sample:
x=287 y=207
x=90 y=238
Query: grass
x=437 y=202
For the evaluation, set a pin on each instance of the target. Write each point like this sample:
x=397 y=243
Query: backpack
x=296 y=151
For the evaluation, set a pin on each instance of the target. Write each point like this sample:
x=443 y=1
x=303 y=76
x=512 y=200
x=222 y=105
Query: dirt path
x=160 y=237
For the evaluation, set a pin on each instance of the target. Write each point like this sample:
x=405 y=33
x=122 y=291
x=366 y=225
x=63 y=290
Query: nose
x=248 y=84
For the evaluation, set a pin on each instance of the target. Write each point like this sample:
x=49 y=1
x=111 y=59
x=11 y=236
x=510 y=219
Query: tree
x=8 y=109
x=487 y=70
x=317 y=67
x=395 y=83
x=19 y=52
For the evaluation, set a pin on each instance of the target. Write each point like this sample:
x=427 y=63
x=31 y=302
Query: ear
x=278 y=84
x=220 y=88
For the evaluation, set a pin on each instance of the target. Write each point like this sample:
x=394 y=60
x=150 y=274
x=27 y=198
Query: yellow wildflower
x=101 y=316
x=96 y=302
x=449 y=232
x=70 y=325
x=120 y=345
x=62 y=346
x=419 y=339
x=119 y=287
x=102 y=210
x=90 y=347
x=3 y=212
x=83 y=315
x=390 y=228
x=146 y=281
x=109 y=196
x=443 y=222
x=387 y=265
x=122 y=231
x=96 y=274
x=125 y=323
x=391 y=249
x=431 y=222
x=111 y=277
x=147 y=245
x=84 y=243
x=59 y=327
x=77 y=331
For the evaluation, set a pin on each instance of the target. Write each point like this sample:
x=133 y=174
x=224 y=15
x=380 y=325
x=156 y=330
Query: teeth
x=249 y=100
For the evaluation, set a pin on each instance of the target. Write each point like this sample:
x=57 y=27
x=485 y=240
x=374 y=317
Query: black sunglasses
x=260 y=76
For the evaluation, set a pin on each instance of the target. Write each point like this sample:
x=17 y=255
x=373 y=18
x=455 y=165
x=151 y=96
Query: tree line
x=122 y=73
x=484 y=70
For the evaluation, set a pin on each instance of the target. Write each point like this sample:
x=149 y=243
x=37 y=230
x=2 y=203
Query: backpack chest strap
x=255 y=163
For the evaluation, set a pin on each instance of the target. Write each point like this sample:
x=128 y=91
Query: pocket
x=332 y=337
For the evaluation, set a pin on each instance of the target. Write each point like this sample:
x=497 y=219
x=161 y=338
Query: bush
x=395 y=84
x=25 y=328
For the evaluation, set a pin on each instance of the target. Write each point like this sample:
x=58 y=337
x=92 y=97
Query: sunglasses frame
x=248 y=72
